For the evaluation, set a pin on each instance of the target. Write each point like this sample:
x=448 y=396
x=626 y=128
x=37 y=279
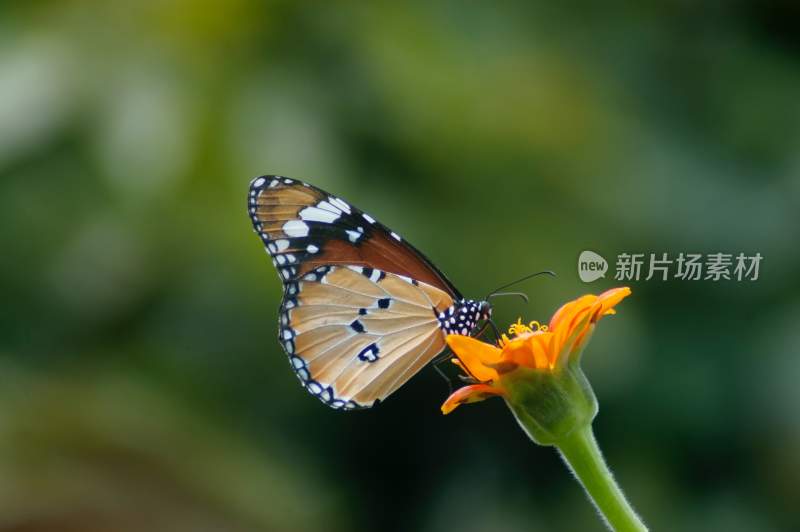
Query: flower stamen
x=519 y=328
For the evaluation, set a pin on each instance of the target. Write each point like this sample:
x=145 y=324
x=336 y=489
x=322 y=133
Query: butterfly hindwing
x=354 y=336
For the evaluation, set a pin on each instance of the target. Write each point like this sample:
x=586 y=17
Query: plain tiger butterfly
x=362 y=310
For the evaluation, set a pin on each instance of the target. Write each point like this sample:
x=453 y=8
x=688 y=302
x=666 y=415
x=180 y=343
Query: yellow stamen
x=503 y=340
x=519 y=328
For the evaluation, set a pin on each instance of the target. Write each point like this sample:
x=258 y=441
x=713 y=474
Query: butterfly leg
x=444 y=357
x=486 y=325
x=469 y=378
x=495 y=330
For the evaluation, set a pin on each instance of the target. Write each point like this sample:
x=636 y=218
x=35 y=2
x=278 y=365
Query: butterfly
x=362 y=310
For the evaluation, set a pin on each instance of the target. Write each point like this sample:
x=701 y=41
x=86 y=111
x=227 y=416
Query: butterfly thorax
x=463 y=316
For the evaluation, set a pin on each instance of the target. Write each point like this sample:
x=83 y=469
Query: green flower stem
x=581 y=453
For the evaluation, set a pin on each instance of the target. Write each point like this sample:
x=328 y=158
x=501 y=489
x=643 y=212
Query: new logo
x=591 y=266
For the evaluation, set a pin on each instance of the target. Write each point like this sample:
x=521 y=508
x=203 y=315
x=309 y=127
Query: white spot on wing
x=376 y=274
x=368 y=218
x=258 y=182
x=314 y=214
x=311 y=248
x=324 y=205
x=282 y=244
x=396 y=236
x=341 y=204
x=353 y=235
x=295 y=228
x=357 y=269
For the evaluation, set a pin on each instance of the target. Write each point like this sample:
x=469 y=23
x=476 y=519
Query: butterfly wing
x=360 y=305
x=355 y=335
x=304 y=227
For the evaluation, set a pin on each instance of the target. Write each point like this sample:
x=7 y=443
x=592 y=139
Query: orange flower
x=537 y=373
x=544 y=349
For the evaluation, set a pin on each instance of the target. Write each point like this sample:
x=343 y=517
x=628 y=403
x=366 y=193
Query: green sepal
x=550 y=404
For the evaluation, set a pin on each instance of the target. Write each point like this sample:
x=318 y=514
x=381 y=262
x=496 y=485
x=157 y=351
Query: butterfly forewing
x=304 y=227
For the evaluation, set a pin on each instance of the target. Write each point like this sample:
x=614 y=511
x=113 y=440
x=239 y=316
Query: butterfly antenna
x=496 y=291
x=523 y=295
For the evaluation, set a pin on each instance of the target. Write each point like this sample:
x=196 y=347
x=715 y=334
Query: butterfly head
x=484 y=310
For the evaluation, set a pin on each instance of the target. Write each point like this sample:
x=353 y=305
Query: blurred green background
x=141 y=383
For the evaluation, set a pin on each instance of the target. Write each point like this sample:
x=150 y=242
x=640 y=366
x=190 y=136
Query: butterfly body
x=362 y=310
x=463 y=316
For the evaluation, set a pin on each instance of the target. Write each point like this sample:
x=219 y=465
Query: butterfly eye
x=486 y=310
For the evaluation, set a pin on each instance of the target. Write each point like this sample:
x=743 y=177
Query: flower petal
x=541 y=344
x=566 y=313
x=572 y=322
x=476 y=356
x=517 y=350
x=567 y=331
x=611 y=298
x=529 y=350
x=470 y=394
